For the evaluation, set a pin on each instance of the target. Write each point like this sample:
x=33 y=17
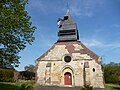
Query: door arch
x=67 y=78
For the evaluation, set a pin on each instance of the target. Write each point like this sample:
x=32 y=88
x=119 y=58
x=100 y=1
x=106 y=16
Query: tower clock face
x=67 y=59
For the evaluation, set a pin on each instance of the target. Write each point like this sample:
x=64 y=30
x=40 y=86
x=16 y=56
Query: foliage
x=6 y=75
x=30 y=68
x=112 y=72
x=112 y=87
x=29 y=85
x=16 y=30
x=26 y=75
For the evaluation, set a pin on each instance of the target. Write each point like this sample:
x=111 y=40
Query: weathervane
x=68 y=8
x=67 y=5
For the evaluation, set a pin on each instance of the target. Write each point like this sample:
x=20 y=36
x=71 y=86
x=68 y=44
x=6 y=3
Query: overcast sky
x=98 y=22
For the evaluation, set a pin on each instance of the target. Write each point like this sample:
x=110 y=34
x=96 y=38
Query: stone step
x=62 y=88
x=56 y=88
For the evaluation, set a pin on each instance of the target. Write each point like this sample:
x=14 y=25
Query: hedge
x=6 y=75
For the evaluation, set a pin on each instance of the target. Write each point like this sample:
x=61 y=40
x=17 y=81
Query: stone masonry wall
x=51 y=68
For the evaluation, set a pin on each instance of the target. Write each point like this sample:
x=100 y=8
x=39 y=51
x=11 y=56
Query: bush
x=27 y=86
x=6 y=75
x=26 y=75
x=112 y=73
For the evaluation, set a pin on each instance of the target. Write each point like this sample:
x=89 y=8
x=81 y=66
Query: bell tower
x=67 y=28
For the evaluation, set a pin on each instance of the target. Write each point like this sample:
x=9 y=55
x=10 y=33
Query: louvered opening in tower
x=66 y=32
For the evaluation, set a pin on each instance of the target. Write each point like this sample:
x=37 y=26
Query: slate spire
x=67 y=28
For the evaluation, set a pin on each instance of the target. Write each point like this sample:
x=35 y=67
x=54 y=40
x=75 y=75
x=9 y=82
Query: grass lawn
x=112 y=87
x=29 y=85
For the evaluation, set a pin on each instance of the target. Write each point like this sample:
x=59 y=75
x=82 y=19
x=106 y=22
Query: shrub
x=26 y=75
x=112 y=73
x=6 y=75
x=27 y=86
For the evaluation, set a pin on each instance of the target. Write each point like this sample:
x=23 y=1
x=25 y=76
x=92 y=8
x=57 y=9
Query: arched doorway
x=67 y=78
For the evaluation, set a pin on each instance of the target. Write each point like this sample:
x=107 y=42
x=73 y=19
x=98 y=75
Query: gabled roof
x=43 y=55
x=71 y=49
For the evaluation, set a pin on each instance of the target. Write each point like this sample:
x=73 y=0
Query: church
x=69 y=63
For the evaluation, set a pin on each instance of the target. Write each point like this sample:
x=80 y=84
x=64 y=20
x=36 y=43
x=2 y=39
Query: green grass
x=29 y=85
x=112 y=87
x=8 y=86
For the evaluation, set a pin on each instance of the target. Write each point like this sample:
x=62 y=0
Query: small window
x=67 y=59
x=65 y=17
x=86 y=64
x=48 y=65
x=93 y=69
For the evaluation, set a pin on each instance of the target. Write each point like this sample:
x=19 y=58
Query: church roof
x=70 y=20
x=67 y=28
x=71 y=49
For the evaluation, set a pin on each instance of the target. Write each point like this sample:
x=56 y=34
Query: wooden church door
x=67 y=78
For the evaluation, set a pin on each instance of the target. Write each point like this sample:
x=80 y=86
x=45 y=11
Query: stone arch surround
x=69 y=69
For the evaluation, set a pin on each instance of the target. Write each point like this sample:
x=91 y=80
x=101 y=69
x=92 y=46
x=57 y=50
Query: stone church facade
x=69 y=62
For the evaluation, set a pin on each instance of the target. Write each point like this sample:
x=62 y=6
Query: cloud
x=92 y=43
x=42 y=39
x=46 y=6
x=78 y=7
x=116 y=25
x=85 y=7
x=47 y=42
x=76 y=11
x=36 y=5
x=98 y=44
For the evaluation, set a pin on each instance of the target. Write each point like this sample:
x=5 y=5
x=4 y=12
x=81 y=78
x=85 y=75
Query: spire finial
x=67 y=5
x=68 y=9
